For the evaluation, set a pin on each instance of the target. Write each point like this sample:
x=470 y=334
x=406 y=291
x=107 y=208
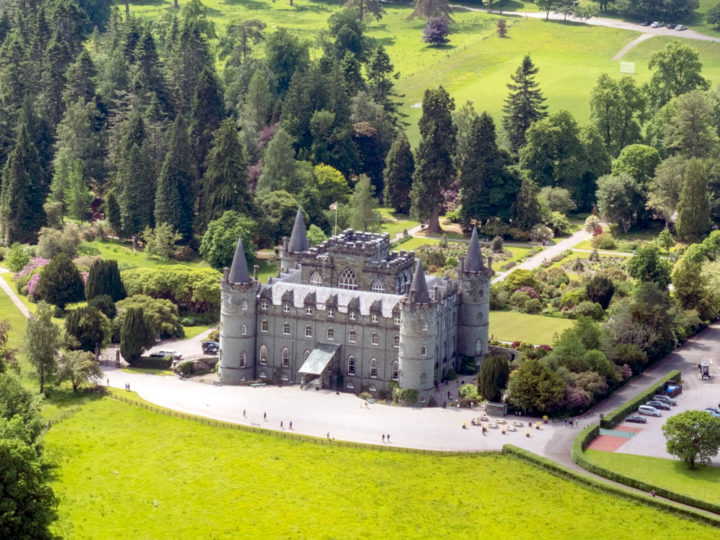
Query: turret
x=418 y=339
x=237 y=321
x=474 y=309
x=298 y=243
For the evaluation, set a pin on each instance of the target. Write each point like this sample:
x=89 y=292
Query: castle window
x=308 y=310
x=263 y=304
x=286 y=307
x=331 y=313
x=286 y=328
x=262 y=375
x=395 y=369
x=396 y=318
x=263 y=354
x=243 y=306
x=308 y=330
x=374 y=317
x=351 y=365
x=373 y=368
x=353 y=336
x=305 y=355
x=424 y=327
x=264 y=326
x=352 y=315
x=374 y=339
x=316 y=279
x=285 y=358
x=396 y=341
x=243 y=330
x=347 y=280
x=330 y=334
x=423 y=350
x=378 y=286
x=243 y=359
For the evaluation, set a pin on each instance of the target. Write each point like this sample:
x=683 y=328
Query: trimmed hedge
x=618 y=415
x=592 y=483
x=145 y=362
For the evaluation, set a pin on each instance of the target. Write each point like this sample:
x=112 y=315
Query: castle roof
x=298 y=239
x=239 y=269
x=418 y=288
x=474 y=260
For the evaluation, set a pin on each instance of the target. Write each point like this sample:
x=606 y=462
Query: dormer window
x=263 y=305
x=396 y=318
x=286 y=307
x=308 y=310
x=331 y=313
x=374 y=317
x=352 y=315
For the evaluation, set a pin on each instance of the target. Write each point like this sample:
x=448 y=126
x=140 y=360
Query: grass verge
x=536 y=329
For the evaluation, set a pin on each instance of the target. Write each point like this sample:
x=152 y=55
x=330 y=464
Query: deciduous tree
x=364 y=214
x=220 y=239
x=677 y=70
x=79 y=367
x=694 y=205
x=693 y=436
x=42 y=339
x=619 y=198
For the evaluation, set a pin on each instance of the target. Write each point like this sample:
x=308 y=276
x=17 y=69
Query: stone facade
x=349 y=314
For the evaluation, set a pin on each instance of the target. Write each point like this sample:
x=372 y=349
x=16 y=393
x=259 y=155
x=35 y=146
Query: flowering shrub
x=530 y=291
x=32 y=287
x=22 y=278
x=577 y=398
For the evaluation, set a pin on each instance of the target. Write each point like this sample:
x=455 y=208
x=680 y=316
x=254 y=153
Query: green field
x=515 y=326
x=666 y=473
x=173 y=478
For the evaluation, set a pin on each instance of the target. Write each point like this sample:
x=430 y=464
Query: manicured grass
x=127 y=258
x=148 y=371
x=18 y=322
x=666 y=473
x=158 y=480
x=396 y=226
x=536 y=329
x=192 y=331
x=416 y=242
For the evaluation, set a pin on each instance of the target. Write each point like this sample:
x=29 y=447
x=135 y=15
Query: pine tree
x=206 y=114
x=81 y=135
x=173 y=198
x=104 y=279
x=524 y=105
x=80 y=79
x=42 y=339
x=434 y=169
x=77 y=196
x=189 y=54
x=60 y=282
x=136 y=183
x=22 y=192
x=694 y=206
x=57 y=58
x=225 y=184
x=135 y=335
x=147 y=79
x=527 y=207
x=112 y=212
x=399 y=168
x=364 y=214
x=431 y=8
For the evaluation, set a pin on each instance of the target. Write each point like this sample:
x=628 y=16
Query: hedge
x=618 y=415
x=568 y=474
x=146 y=362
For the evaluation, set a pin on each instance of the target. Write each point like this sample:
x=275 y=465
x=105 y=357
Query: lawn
x=514 y=326
x=173 y=478
x=127 y=258
x=666 y=473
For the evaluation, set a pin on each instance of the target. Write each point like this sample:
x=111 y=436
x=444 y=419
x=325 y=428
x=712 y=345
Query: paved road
x=14 y=297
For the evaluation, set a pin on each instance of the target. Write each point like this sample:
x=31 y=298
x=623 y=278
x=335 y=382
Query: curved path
x=632 y=44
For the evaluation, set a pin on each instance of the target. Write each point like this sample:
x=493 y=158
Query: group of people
x=386 y=438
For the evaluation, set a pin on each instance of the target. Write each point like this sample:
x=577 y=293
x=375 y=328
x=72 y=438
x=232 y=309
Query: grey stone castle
x=350 y=315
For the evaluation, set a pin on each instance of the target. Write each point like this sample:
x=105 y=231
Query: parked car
x=665 y=399
x=165 y=353
x=680 y=27
x=636 y=418
x=659 y=405
x=646 y=23
x=670 y=26
x=656 y=24
x=210 y=347
x=713 y=409
x=648 y=410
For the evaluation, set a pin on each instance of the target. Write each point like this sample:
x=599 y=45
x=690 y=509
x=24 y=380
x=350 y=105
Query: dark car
x=210 y=347
x=659 y=405
x=665 y=399
x=670 y=26
x=636 y=418
x=713 y=410
x=646 y=23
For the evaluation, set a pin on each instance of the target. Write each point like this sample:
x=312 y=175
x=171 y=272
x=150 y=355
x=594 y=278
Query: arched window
x=243 y=330
x=264 y=326
x=285 y=358
x=243 y=359
x=243 y=306
x=423 y=350
x=347 y=280
x=308 y=330
x=263 y=354
x=305 y=355
x=373 y=368
x=478 y=346
x=351 y=365
x=316 y=279
x=286 y=328
x=396 y=341
x=374 y=340
x=395 y=370
x=262 y=375
x=377 y=286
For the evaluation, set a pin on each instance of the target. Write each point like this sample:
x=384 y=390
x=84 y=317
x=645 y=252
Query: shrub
x=105 y=304
x=600 y=289
x=497 y=244
x=52 y=241
x=494 y=227
x=519 y=235
x=573 y=298
x=195 y=290
x=162 y=314
x=453 y=216
x=558 y=223
x=541 y=233
x=450 y=375
x=592 y=223
x=17 y=257
x=603 y=241
x=519 y=298
x=557 y=276
x=589 y=309
x=533 y=305
x=519 y=278
x=498 y=298
x=87 y=248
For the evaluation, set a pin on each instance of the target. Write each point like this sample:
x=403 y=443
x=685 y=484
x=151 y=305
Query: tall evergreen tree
x=381 y=86
x=104 y=279
x=206 y=114
x=285 y=54
x=81 y=135
x=431 y=8
x=189 y=55
x=225 y=183
x=22 y=192
x=524 y=105
x=527 y=207
x=136 y=185
x=135 y=335
x=364 y=214
x=57 y=58
x=112 y=212
x=173 y=198
x=80 y=79
x=146 y=75
x=60 y=282
x=399 y=168
x=694 y=206
x=77 y=196
x=280 y=169
x=434 y=169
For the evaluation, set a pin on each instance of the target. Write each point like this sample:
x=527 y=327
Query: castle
x=350 y=315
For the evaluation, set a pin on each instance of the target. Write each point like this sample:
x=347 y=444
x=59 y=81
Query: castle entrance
x=317 y=370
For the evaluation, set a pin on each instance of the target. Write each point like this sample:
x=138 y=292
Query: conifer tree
x=279 y=165
x=135 y=335
x=136 y=183
x=524 y=105
x=104 y=279
x=112 y=212
x=527 y=207
x=206 y=114
x=399 y=168
x=434 y=169
x=146 y=75
x=431 y=8
x=694 y=206
x=364 y=214
x=60 y=282
x=225 y=184
x=80 y=79
x=77 y=196
x=173 y=198
x=22 y=192
x=57 y=58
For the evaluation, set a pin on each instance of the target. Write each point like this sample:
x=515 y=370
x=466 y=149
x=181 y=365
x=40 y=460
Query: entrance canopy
x=319 y=359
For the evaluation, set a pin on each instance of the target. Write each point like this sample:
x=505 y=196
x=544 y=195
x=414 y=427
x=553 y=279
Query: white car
x=647 y=410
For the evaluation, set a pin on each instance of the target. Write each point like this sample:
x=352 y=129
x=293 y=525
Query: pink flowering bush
x=577 y=398
x=23 y=277
x=33 y=287
x=530 y=291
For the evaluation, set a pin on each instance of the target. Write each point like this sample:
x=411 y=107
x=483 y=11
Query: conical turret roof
x=298 y=238
x=239 y=269
x=419 y=285
x=474 y=260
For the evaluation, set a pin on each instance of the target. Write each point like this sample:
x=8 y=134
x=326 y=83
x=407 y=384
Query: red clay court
x=610 y=440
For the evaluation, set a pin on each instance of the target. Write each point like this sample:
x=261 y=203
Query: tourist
x=281 y=425
x=387 y=437
x=383 y=437
x=244 y=413
x=290 y=425
x=328 y=435
x=265 y=416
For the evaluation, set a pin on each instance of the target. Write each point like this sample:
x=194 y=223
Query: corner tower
x=474 y=283
x=298 y=243
x=237 y=321
x=418 y=338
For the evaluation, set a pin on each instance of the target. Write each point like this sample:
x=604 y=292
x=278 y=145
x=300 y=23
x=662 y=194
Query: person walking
x=290 y=425
x=281 y=425
x=388 y=438
x=265 y=416
x=383 y=437
x=244 y=413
